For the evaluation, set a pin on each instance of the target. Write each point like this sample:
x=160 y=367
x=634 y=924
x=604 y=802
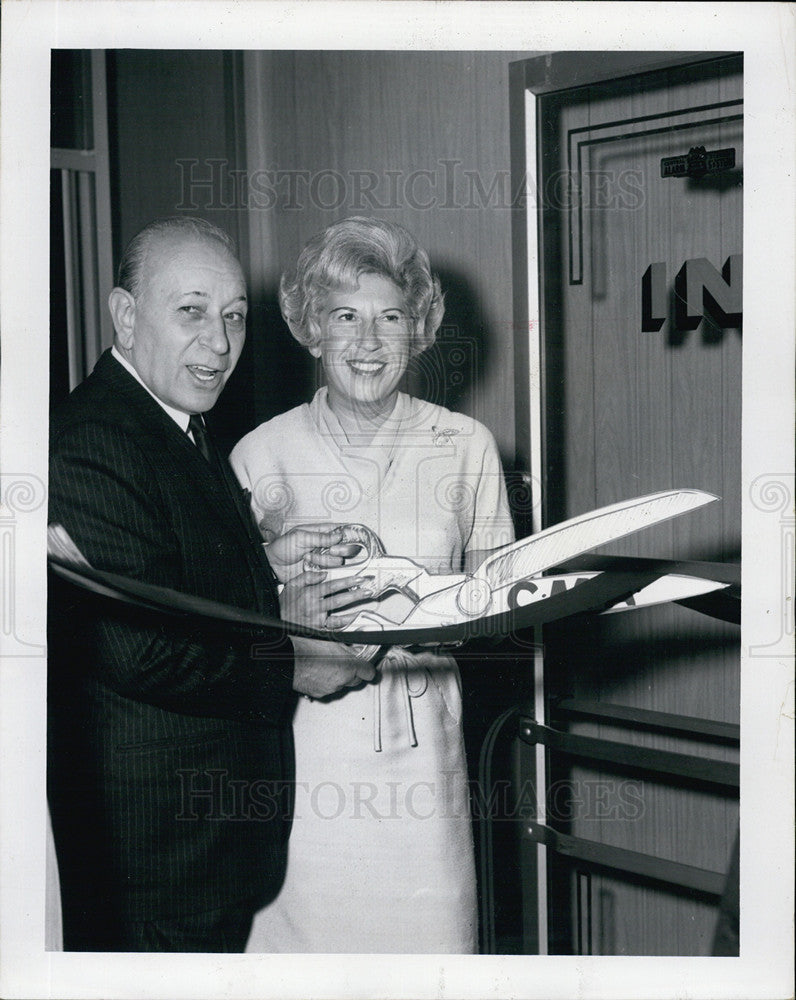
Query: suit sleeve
x=104 y=491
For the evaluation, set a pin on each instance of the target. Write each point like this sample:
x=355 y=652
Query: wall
x=420 y=138
x=417 y=137
x=166 y=107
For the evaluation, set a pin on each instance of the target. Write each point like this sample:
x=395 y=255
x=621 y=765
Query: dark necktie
x=201 y=438
x=204 y=443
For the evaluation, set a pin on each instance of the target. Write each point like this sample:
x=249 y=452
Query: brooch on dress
x=443 y=435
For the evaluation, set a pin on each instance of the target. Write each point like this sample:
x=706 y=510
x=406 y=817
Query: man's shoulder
x=105 y=425
x=102 y=400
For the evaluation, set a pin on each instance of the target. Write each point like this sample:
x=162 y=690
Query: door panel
x=630 y=411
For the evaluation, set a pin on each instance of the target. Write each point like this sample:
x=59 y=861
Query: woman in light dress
x=381 y=852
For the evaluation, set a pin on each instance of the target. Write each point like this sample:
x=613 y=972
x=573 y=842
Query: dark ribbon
x=620 y=577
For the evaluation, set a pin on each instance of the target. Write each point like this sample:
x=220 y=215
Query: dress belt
x=400 y=663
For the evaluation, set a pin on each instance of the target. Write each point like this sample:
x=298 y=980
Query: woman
x=381 y=854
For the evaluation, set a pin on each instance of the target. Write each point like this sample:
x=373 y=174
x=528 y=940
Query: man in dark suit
x=169 y=744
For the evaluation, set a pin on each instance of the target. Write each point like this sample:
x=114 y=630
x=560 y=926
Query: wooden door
x=642 y=392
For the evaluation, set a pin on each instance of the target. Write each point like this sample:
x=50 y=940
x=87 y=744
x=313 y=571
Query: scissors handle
x=367 y=546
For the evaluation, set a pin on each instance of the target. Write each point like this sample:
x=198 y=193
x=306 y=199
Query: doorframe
x=529 y=80
x=88 y=236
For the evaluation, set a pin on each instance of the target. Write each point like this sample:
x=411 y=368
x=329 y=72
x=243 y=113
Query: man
x=169 y=744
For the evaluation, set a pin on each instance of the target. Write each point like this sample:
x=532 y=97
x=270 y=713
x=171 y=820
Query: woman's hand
x=323 y=546
x=309 y=598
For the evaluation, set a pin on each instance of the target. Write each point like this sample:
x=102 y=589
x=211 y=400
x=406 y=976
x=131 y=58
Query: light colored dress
x=381 y=852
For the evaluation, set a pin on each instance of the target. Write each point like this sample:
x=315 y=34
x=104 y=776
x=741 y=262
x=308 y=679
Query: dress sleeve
x=238 y=459
x=492 y=525
x=250 y=463
x=105 y=493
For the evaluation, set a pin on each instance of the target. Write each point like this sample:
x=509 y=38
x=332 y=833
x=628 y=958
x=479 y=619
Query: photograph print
x=446 y=342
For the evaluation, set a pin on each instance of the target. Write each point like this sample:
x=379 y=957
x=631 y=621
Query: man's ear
x=122 y=306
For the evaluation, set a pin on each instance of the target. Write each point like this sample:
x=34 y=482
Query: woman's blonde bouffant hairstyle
x=336 y=258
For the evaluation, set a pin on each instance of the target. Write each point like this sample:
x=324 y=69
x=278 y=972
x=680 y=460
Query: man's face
x=189 y=322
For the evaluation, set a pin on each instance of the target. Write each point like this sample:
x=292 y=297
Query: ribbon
x=619 y=577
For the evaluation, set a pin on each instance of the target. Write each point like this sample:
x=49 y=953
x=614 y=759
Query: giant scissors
x=510 y=577
x=506 y=592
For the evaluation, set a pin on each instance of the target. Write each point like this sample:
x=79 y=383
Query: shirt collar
x=179 y=418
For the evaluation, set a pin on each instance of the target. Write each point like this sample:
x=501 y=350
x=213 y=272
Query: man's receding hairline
x=156 y=240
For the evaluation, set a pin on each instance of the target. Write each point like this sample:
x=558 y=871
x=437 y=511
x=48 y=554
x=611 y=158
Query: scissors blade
x=666 y=590
x=580 y=534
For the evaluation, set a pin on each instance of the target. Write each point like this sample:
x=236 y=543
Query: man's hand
x=323 y=668
x=322 y=545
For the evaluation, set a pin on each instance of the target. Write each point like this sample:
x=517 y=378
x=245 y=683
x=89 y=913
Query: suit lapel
x=240 y=501
x=224 y=493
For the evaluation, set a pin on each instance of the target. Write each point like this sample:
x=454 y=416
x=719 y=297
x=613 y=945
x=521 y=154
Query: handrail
x=662 y=764
x=487 y=923
x=599 y=855
x=642 y=718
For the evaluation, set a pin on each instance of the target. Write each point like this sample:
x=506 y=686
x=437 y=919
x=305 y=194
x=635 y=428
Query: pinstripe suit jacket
x=169 y=746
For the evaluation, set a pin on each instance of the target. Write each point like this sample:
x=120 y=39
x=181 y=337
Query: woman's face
x=365 y=342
